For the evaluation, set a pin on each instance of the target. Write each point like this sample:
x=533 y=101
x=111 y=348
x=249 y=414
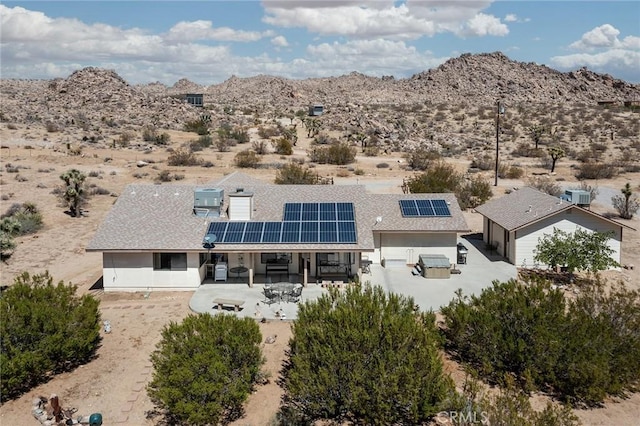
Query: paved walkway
x=479 y=272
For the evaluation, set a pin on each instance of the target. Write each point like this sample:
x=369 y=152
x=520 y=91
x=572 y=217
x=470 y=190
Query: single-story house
x=176 y=237
x=513 y=224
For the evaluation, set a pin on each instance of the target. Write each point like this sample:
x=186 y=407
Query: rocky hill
x=93 y=98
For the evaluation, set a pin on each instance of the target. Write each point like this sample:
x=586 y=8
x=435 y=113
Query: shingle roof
x=160 y=217
x=528 y=205
x=522 y=207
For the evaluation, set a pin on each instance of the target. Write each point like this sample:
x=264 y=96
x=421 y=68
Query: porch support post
x=250 y=269
x=305 y=272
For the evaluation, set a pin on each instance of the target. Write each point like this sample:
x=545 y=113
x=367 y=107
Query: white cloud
x=371 y=19
x=603 y=51
x=482 y=25
x=603 y=36
x=204 y=30
x=378 y=57
x=280 y=41
x=511 y=18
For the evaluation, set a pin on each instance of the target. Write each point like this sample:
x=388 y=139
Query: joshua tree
x=536 y=133
x=556 y=153
x=73 y=193
x=627 y=204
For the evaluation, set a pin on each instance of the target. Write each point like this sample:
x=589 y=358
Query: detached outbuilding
x=513 y=224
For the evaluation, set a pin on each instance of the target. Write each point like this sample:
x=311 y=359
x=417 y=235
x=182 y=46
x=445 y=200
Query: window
x=170 y=261
x=275 y=258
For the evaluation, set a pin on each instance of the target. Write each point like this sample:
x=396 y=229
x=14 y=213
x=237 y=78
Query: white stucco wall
x=134 y=272
x=410 y=246
x=568 y=221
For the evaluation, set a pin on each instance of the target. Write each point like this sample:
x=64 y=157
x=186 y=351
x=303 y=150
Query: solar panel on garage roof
x=302 y=223
x=424 y=208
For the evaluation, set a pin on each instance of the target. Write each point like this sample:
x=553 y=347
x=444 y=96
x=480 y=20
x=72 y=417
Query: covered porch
x=304 y=268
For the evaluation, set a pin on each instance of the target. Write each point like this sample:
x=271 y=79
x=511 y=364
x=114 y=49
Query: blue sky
x=209 y=41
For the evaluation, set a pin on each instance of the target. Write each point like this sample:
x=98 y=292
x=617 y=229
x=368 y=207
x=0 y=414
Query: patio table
x=283 y=289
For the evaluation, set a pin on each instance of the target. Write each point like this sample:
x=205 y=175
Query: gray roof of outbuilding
x=521 y=207
x=160 y=217
x=528 y=205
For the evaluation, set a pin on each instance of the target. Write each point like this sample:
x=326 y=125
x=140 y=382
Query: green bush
x=337 y=153
x=205 y=368
x=366 y=357
x=440 y=177
x=21 y=219
x=199 y=126
x=421 y=158
x=295 y=174
x=596 y=171
x=474 y=192
x=283 y=146
x=581 y=350
x=44 y=329
x=247 y=159
x=183 y=157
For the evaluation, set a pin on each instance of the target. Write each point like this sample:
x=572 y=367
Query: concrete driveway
x=479 y=272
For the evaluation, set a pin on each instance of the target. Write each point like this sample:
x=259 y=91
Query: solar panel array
x=303 y=223
x=424 y=208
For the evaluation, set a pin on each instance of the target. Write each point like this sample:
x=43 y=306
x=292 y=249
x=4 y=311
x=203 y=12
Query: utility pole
x=499 y=110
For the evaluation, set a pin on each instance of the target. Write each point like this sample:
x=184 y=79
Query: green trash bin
x=95 y=419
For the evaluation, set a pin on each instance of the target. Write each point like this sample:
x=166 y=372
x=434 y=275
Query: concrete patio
x=481 y=269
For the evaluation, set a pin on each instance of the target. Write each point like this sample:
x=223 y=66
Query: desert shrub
x=324 y=139
x=199 y=126
x=363 y=357
x=239 y=135
x=596 y=171
x=125 y=138
x=474 y=192
x=358 y=171
x=382 y=165
x=205 y=368
x=12 y=126
x=45 y=329
x=207 y=164
x=484 y=162
x=282 y=146
x=372 y=151
x=524 y=149
x=260 y=147
x=247 y=159
x=268 y=132
x=337 y=153
x=545 y=184
x=440 y=177
x=295 y=174
x=183 y=157
x=52 y=127
x=421 y=158
x=581 y=349
x=194 y=146
x=97 y=190
x=513 y=172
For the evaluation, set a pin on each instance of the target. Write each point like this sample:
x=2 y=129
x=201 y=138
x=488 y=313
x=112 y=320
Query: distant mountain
x=94 y=95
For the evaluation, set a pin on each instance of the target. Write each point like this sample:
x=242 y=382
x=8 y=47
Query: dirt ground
x=114 y=383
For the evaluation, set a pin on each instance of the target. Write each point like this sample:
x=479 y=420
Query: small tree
x=627 y=204
x=44 y=329
x=205 y=367
x=364 y=357
x=295 y=174
x=579 y=251
x=536 y=133
x=556 y=153
x=74 y=192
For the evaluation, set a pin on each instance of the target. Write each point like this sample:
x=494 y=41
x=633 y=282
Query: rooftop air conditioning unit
x=579 y=197
x=207 y=202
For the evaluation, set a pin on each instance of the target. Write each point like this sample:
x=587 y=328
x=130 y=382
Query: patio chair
x=295 y=295
x=270 y=296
